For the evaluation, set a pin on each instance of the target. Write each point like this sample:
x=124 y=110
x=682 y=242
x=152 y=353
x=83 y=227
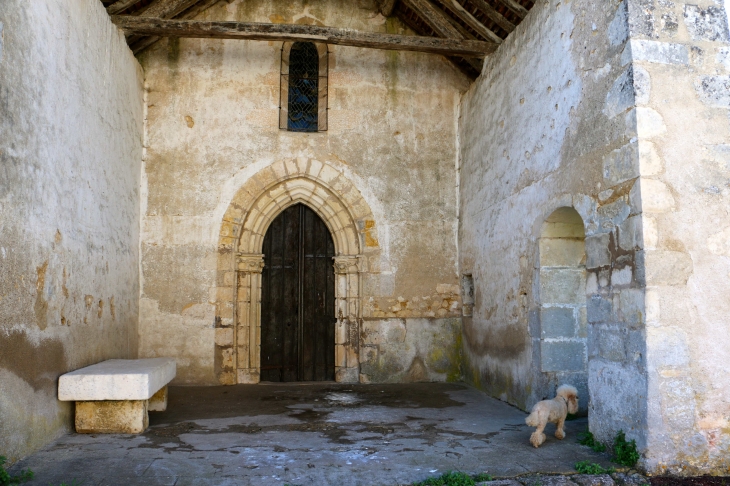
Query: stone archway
x=240 y=261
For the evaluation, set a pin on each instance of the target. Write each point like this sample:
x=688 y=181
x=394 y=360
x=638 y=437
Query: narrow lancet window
x=303 y=87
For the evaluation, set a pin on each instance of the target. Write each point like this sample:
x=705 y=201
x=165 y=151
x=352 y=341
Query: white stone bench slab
x=114 y=396
x=117 y=379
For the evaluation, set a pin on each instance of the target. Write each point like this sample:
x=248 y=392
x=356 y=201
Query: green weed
x=624 y=452
x=6 y=478
x=586 y=438
x=455 y=478
x=585 y=467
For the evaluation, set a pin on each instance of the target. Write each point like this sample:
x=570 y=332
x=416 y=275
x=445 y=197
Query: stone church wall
x=550 y=126
x=71 y=124
x=388 y=153
x=682 y=50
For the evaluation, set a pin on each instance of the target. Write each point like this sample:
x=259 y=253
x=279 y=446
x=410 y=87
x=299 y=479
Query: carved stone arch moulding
x=262 y=198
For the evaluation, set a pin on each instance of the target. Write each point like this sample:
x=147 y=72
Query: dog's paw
x=536 y=439
x=560 y=434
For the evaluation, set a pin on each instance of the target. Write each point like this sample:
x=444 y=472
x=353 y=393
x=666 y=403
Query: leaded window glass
x=303 y=97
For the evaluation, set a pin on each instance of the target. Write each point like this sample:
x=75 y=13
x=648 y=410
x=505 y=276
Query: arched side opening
x=563 y=320
x=350 y=222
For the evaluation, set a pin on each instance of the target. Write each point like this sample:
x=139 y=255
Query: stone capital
x=250 y=262
x=348 y=264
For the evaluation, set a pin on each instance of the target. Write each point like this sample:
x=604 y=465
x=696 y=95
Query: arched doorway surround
x=240 y=261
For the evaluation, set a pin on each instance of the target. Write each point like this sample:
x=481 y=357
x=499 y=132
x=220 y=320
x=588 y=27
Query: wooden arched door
x=298 y=299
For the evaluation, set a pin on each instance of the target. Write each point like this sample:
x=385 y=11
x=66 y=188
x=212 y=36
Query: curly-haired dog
x=554 y=411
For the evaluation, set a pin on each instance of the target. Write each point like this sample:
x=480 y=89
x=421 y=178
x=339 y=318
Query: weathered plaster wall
x=683 y=51
x=71 y=118
x=550 y=124
x=213 y=125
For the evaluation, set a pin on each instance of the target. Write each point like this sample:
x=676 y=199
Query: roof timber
x=461 y=13
x=465 y=20
x=145 y=26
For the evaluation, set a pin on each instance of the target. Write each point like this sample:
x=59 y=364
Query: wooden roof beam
x=515 y=7
x=434 y=18
x=493 y=15
x=459 y=11
x=133 y=25
x=120 y=5
x=143 y=43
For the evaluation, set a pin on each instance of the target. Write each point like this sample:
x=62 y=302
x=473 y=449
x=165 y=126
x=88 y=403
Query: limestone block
x=667 y=267
x=248 y=376
x=650 y=162
x=158 y=401
x=678 y=404
x=608 y=344
x=562 y=286
x=111 y=417
x=710 y=24
x=599 y=309
x=719 y=243
x=621 y=164
x=656 y=52
x=632 y=307
x=224 y=337
x=621 y=95
x=649 y=123
x=666 y=347
x=714 y=90
x=592 y=480
x=117 y=379
x=597 y=254
x=561 y=252
x=557 y=322
x=621 y=276
x=629 y=233
x=656 y=197
x=562 y=356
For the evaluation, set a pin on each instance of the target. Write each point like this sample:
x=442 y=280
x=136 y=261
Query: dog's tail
x=533 y=420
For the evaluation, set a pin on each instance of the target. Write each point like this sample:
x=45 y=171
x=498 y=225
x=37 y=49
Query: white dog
x=554 y=411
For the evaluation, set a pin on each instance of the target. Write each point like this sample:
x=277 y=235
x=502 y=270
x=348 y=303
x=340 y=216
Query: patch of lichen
x=445 y=355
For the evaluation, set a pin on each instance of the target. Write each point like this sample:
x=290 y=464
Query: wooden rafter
x=119 y=6
x=133 y=25
x=143 y=43
x=515 y=7
x=493 y=15
x=460 y=12
x=434 y=18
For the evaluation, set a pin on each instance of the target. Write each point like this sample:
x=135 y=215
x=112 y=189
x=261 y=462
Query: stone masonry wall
x=550 y=124
x=681 y=50
x=391 y=144
x=71 y=119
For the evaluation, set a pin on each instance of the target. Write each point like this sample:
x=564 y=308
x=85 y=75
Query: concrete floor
x=313 y=434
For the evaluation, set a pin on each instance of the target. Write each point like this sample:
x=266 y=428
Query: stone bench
x=114 y=396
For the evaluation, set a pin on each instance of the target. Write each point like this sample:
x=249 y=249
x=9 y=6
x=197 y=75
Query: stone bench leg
x=158 y=401
x=112 y=417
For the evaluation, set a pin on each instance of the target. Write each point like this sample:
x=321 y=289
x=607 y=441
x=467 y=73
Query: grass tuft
x=624 y=452
x=455 y=478
x=586 y=438
x=585 y=467
x=6 y=479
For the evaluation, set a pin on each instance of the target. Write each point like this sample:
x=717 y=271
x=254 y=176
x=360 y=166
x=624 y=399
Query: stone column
x=248 y=317
x=347 y=333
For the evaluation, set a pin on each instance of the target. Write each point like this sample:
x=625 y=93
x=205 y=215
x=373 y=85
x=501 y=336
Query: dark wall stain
x=39 y=365
x=41 y=306
x=505 y=343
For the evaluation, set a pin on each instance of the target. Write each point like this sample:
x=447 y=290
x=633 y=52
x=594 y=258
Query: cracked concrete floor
x=313 y=434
